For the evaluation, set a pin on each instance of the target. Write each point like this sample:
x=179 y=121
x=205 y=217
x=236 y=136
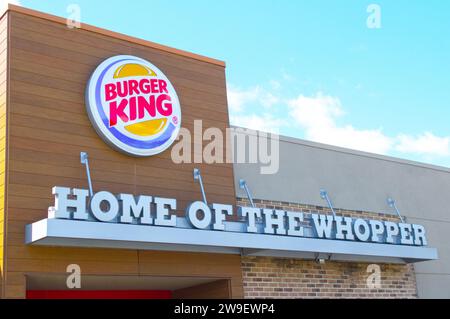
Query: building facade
x=165 y=249
x=360 y=183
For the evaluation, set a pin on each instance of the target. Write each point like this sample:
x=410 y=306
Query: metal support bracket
x=243 y=185
x=322 y=258
x=85 y=161
x=198 y=177
x=392 y=204
x=324 y=195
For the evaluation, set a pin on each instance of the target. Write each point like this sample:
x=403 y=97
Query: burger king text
x=131 y=100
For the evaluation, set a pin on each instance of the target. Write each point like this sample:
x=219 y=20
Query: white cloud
x=265 y=122
x=317 y=115
x=239 y=101
x=268 y=99
x=425 y=144
x=4 y=4
x=238 y=98
x=316 y=111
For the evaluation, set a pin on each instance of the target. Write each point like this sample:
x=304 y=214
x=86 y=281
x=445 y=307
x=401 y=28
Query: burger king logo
x=133 y=106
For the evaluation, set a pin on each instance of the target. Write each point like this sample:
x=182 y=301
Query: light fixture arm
x=84 y=157
x=198 y=177
x=243 y=185
x=392 y=204
x=324 y=195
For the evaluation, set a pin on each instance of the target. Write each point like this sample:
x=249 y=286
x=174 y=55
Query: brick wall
x=265 y=277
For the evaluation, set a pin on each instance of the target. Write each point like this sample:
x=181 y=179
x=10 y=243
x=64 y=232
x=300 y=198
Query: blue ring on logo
x=123 y=138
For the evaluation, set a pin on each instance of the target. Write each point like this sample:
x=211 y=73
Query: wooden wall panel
x=50 y=65
x=3 y=123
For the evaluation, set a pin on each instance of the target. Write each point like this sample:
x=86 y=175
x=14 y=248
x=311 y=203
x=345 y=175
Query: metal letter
x=323 y=225
x=294 y=224
x=62 y=203
x=391 y=231
x=192 y=216
x=132 y=209
x=219 y=215
x=419 y=235
x=344 y=224
x=251 y=214
x=274 y=221
x=377 y=228
x=163 y=206
x=113 y=210
x=406 y=237
x=361 y=235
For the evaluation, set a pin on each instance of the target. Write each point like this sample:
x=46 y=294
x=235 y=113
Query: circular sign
x=133 y=106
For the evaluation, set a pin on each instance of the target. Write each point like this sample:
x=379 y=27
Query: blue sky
x=312 y=69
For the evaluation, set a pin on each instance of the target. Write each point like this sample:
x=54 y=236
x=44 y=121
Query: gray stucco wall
x=362 y=181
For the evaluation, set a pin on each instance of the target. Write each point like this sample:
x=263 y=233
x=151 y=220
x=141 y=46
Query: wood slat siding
x=117 y=36
x=48 y=128
x=3 y=123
